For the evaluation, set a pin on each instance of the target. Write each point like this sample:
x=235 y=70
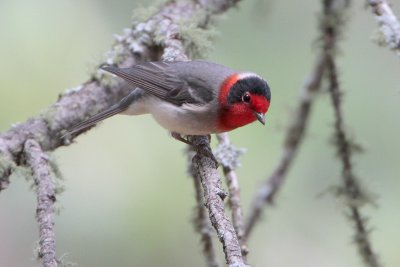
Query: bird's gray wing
x=162 y=80
x=122 y=105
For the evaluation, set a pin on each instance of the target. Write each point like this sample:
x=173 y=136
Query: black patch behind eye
x=252 y=84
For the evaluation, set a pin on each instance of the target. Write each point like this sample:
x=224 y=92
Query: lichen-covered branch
x=159 y=36
x=37 y=160
x=228 y=156
x=351 y=189
x=146 y=40
x=201 y=221
x=389 y=24
x=206 y=170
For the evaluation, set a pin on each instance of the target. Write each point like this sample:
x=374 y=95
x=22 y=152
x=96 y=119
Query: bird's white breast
x=187 y=119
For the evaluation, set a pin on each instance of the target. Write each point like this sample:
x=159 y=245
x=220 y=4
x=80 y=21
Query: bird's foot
x=178 y=136
x=199 y=147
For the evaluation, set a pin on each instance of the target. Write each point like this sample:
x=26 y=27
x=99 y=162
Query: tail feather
x=94 y=119
x=113 y=110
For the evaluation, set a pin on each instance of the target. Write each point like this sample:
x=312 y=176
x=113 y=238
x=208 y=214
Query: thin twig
x=389 y=24
x=228 y=156
x=38 y=161
x=294 y=137
x=351 y=188
x=206 y=169
x=201 y=220
x=330 y=23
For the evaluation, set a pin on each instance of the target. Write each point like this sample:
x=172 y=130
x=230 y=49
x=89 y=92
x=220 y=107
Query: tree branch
x=330 y=25
x=155 y=38
x=389 y=25
x=351 y=189
x=160 y=37
x=228 y=156
x=201 y=221
x=145 y=41
x=294 y=136
x=206 y=170
x=205 y=166
x=38 y=162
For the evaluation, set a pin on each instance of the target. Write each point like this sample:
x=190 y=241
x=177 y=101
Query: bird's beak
x=260 y=117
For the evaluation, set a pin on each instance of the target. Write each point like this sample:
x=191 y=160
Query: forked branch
x=206 y=170
x=228 y=155
x=156 y=38
x=351 y=190
x=294 y=136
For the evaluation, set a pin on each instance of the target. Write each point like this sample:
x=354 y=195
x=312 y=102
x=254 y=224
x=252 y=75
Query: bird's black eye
x=246 y=97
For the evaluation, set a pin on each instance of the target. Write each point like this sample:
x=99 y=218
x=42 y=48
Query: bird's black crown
x=252 y=84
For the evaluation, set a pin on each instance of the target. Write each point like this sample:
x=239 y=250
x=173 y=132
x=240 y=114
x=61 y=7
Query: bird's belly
x=186 y=120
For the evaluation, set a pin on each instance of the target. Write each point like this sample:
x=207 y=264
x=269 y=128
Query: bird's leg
x=178 y=136
x=207 y=153
x=205 y=149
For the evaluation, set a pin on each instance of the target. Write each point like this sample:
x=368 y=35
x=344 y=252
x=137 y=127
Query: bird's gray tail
x=113 y=110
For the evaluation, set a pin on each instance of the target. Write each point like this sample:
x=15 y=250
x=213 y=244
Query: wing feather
x=158 y=79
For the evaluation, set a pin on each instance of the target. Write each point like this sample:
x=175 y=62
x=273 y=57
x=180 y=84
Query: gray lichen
x=229 y=155
x=141 y=13
x=197 y=41
x=6 y=169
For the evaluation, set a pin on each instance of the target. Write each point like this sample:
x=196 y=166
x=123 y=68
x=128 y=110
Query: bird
x=189 y=97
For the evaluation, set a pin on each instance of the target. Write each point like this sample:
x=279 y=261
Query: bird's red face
x=243 y=99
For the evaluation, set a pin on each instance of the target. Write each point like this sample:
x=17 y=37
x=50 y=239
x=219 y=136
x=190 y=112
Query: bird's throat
x=234 y=117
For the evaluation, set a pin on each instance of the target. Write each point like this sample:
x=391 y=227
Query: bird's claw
x=198 y=147
x=178 y=136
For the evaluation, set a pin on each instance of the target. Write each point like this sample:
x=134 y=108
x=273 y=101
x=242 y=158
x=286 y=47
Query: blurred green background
x=128 y=200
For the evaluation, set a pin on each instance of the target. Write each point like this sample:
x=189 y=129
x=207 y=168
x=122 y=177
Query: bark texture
x=38 y=161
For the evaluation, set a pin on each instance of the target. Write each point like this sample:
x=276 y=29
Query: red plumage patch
x=238 y=114
x=225 y=87
x=259 y=103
